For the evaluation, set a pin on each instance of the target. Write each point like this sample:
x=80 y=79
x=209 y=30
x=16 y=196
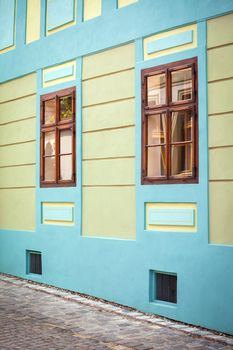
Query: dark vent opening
x=35 y=263
x=166 y=287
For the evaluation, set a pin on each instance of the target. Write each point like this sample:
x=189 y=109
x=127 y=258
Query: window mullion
x=194 y=143
x=57 y=146
x=168 y=151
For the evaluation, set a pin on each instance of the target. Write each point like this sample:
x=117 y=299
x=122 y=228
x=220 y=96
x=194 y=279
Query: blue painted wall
x=110 y=268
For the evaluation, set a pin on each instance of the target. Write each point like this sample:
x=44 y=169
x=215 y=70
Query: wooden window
x=35 y=265
x=166 y=287
x=57 y=166
x=169 y=123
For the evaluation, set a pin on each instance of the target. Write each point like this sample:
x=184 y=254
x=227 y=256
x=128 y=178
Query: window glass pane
x=181 y=160
x=156 y=129
x=49 y=172
x=156 y=161
x=181 y=129
x=65 y=107
x=49 y=143
x=181 y=85
x=156 y=93
x=66 y=167
x=49 y=111
x=66 y=141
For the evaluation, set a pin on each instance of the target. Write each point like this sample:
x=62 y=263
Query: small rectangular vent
x=166 y=287
x=34 y=263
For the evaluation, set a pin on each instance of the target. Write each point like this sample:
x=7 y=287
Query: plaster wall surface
x=107 y=250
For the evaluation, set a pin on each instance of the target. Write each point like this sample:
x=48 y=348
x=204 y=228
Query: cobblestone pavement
x=34 y=316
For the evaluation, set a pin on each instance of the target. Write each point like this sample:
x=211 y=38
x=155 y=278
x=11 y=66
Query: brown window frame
x=168 y=108
x=57 y=126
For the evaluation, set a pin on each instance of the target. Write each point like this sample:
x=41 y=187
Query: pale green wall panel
x=122 y=3
x=221 y=164
x=111 y=143
x=23 y=153
x=18 y=109
x=221 y=218
x=109 y=212
x=92 y=8
x=220 y=97
x=17 y=209
x=109 y=115
x=33 y=20
x=109 y=88
x=220 y=31
x=22 y=131
x=221 y=130
x=109 y=61
x=22 y=176
x=220 y=63
x=18 y=88
x=109 y=172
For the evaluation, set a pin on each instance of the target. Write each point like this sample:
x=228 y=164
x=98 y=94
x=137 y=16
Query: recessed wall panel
x=7 y=24
x=60 y=15
x=173 y=217
x=173 y=41
x=33 y=21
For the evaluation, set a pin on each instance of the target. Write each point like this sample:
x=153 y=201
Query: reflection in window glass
x=156 y=94
x=156 y=161
x=66 y=167
x=156 y=129
x=181 y=85
x=49 y=143
x=49 y=172
x=66 y=141
x=65 y=107
x=49 y=111
x=181 y=129
x=181 y=160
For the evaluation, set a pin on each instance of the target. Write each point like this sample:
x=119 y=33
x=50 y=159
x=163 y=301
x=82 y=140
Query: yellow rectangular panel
x=220 y=97
x=171 y=207
x=221 y=218
x=33 y=21
x=220 y=31
x=109 y=172
x=25 y=107
x=174 y=49
x=18 y=88
x=122 y=3
x=23 y=153
x=221 y=130
x=58 y=213
x=109 y=88
x=221 y=163
x=21 y=131
x=92 y=8
x=109 y=115
x=220 y=63
x=110 y=143
x=109 y=212
x=21 y=176
x=109 y=61
x=59 y=74
x=17 y=209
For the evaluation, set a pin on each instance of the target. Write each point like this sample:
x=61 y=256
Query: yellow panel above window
x=59 y=74
x=166 y=43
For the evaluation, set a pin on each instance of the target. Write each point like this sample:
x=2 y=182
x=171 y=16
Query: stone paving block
x=40 y=317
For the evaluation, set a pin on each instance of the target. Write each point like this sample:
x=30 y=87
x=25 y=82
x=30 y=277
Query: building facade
x=116 y=148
